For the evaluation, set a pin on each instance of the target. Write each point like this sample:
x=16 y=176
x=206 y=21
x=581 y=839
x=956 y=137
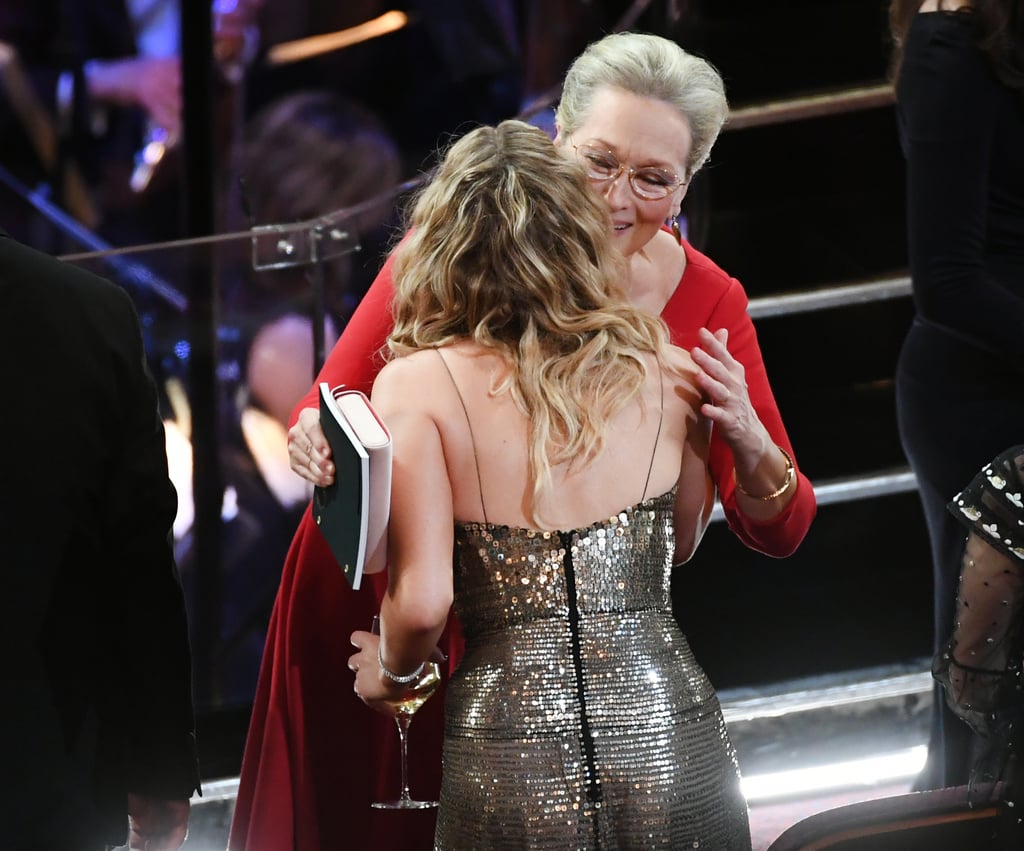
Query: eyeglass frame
x=631 y=173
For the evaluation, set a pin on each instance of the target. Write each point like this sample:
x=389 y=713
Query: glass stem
x=403 y=720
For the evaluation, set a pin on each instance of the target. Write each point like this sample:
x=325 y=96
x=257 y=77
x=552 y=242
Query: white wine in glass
x=405 y=707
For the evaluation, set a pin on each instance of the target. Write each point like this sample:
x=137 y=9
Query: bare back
x=484 y=442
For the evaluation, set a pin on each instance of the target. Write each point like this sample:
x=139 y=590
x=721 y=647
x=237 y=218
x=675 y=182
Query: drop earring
x=676 y=231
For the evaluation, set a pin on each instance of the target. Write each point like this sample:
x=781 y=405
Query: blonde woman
x=640 y=116
x=546 y=431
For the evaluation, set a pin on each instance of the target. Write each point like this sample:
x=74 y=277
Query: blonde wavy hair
x=510 y=248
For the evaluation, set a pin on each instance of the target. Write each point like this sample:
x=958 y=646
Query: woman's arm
x=774 y=529
x=420 y=538
x=976 y=665
x=354 y=361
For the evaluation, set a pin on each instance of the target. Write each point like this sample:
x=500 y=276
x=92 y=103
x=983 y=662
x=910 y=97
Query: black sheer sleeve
x=980 y=666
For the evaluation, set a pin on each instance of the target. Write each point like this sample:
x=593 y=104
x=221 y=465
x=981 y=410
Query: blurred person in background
x=91 y=107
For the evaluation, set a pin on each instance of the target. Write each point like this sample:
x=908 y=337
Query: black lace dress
x=980 y=666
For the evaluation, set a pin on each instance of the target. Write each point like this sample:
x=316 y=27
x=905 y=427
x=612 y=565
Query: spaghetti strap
x=657 y=436
x=472 y=439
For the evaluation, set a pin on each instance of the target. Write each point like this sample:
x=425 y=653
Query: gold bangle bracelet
x=781 y=489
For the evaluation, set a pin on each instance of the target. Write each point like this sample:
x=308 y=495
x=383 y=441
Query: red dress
x=316 y=756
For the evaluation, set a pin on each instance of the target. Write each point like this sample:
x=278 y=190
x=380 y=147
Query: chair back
x=953 y=819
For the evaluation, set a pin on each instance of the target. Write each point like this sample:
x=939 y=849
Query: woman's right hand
x=309 y=454
x=727 y=401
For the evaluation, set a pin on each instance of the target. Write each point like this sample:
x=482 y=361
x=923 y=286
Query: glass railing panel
x=234 y=329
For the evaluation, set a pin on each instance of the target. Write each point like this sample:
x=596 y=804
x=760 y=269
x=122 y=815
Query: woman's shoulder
x=406 y=371
x=419 y=371
x=679 y=372
x=704 y=290
x=676 y=359
x=409 y=389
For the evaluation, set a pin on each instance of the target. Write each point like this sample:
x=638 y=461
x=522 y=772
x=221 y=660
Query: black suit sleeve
x=147 y=620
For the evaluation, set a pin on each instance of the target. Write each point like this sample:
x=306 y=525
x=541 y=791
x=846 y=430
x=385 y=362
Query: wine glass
x=405 y=707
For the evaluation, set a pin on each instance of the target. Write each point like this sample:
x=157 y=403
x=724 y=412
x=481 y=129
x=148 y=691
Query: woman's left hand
x=369 y=685
x=723 y=380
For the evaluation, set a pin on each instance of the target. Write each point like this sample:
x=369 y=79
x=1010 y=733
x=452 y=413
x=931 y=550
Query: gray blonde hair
x=652 y=67
x=509 y=248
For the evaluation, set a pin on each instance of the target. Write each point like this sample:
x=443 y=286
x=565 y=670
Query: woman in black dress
x=960 y=377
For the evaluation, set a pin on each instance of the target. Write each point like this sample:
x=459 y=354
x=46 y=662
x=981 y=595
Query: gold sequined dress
x=578 y=717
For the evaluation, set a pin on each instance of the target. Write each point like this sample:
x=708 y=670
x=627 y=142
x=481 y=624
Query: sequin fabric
x=578 y=717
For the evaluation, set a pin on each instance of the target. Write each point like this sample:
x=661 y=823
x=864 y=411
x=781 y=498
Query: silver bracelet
x=396 y=678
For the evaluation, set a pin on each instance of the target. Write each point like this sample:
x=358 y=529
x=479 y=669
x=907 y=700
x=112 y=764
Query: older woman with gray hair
x=640 y=115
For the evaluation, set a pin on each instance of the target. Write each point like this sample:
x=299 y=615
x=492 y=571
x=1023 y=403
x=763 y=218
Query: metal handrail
x=811 y=106
x=814 y=696
x=883 y=483
x=827 y=298
x=853 y=488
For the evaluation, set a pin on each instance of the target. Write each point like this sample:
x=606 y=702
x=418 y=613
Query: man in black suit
x=96 y=706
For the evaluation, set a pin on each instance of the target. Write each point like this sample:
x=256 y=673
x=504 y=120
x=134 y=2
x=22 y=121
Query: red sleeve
x=711 y=298
x=357 y=357
x=782 y=534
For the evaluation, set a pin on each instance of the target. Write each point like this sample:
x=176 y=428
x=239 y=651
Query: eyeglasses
x=650 y=183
